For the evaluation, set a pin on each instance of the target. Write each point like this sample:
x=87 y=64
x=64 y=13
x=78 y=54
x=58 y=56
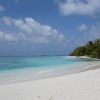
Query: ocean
x=14 y=69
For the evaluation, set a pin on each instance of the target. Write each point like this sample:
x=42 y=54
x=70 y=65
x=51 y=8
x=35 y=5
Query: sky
x=47 y=27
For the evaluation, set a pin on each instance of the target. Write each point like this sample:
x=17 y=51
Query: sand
x=77 y=86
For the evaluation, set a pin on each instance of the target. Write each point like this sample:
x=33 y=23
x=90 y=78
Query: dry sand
x=77 y=86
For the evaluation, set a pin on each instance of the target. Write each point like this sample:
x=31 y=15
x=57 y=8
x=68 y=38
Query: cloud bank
x=79 y=7
x=29 y=30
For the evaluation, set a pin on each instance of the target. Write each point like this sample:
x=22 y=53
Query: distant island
x=91 y=49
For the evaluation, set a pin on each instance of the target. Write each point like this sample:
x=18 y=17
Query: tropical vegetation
x=91 y=49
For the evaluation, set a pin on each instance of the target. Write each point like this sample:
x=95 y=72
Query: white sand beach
x=77 y=86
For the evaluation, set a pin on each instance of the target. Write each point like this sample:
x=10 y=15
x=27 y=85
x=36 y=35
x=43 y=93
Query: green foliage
x=94 y=54
x=92 y=49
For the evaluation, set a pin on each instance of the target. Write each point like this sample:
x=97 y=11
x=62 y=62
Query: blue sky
x=47 y=27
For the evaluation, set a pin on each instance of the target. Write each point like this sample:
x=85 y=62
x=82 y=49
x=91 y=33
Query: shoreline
x=53 y=74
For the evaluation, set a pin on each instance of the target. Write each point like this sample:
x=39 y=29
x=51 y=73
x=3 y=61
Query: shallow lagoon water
x=14 y=69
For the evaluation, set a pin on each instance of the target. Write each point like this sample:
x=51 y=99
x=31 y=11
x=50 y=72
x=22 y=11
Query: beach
x=76 y=86
x=49 y=49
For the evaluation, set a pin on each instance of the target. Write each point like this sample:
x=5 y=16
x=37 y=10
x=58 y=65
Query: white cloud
x=80 y=7
x=8 y=37
x=2 y=8
x=82 y=27
x=29 y=29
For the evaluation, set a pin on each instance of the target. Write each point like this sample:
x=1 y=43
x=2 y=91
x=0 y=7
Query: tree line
x=91 y=49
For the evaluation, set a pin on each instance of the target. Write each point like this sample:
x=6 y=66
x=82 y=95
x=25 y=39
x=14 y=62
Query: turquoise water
x=13 y=63
x=15 y=68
